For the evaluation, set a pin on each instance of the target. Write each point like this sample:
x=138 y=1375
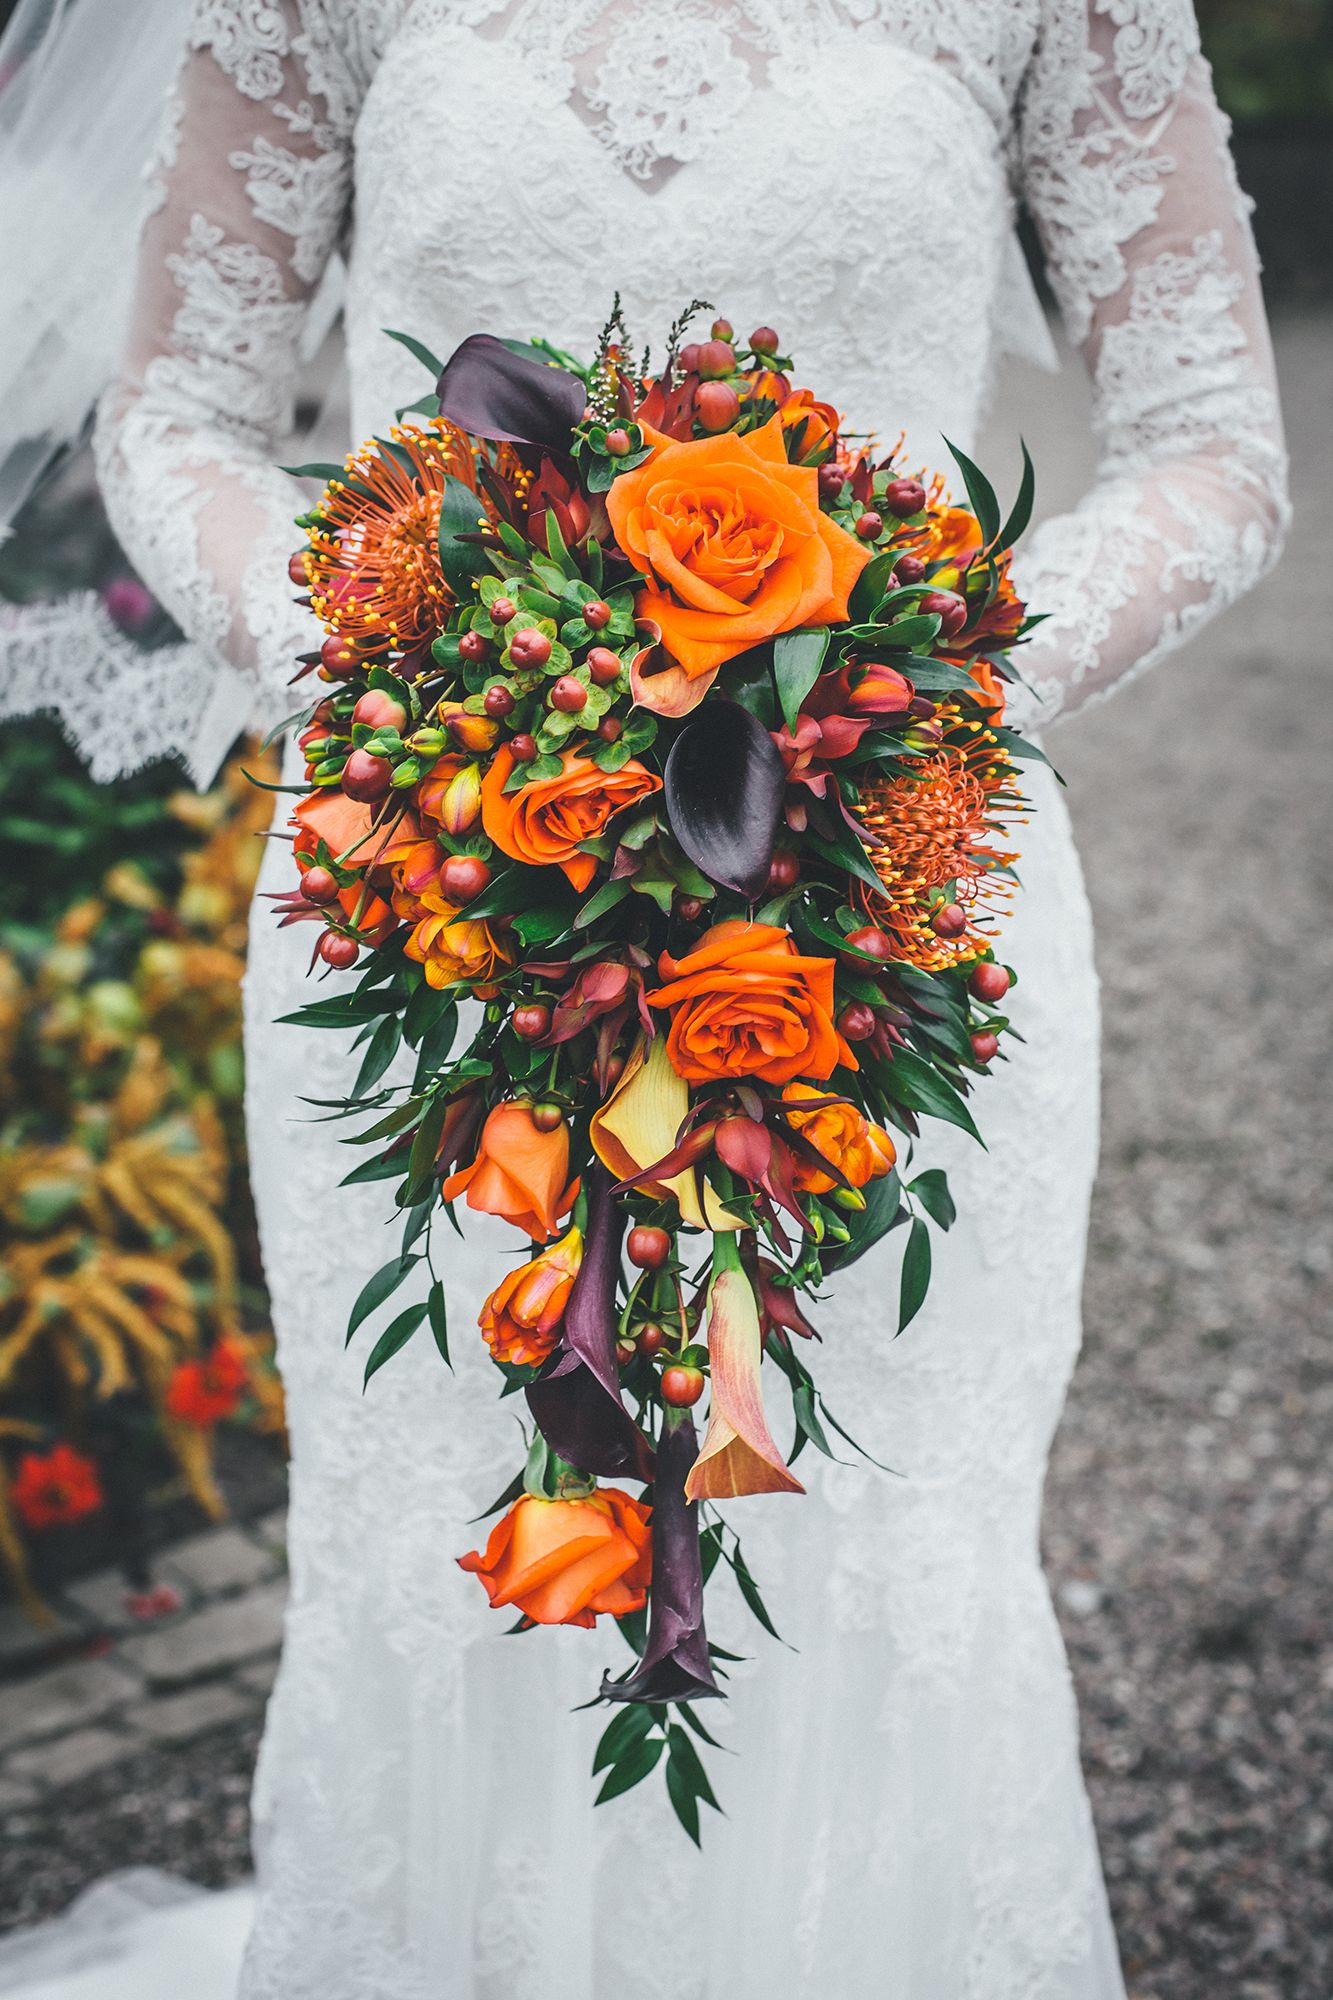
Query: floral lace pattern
x=929 y=1751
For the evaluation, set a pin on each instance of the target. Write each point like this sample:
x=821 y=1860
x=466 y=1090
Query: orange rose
x=519 y=1172
x=735 y=547
x=746 y=1003
x=544 y=823
x=566 y=1562
x=457 y=950
x=861 y=1151
x=521 y=1318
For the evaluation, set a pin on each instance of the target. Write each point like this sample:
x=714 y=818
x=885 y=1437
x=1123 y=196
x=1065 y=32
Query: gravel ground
x=1188 y=1525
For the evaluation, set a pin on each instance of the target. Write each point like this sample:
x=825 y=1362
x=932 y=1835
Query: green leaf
x=377 y=1289
x=632 y=1769
x=916 y=1273
x=602 y=900
x=633 y=1722
x=421 y=1160
x=932 y=1191
x=439 y=1320
x=883 y=1199
x=395 y=1335
x=909 y=1079
x=386 y=1168
x=749 y=1590
x=980 y=493
x=320 y=471
x=460 y=511
x=684 y=1753
x=543 y=926
x=846 y=851
x=1021 y=511
x=416 y=349
x=683 y=1801
x=797 y=659
x=870 y=586
x=383 y=1048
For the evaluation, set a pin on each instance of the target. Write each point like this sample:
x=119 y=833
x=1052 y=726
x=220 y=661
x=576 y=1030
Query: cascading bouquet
x=665 y=721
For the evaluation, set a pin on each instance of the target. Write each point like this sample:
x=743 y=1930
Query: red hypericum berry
x=596 y=613
x=604 y=665
x=651 y=1338
x=904 y=496
x=296 y=568
x=502 y=610
x=874 y=942
x=949 y=920
x=319 y=887
x=365 y=777
x=463 y=877
x=832 y=479
x=948 y=607
x=870 y=525
x=338 y=658
x=338 y=951
x=379 y=710
x=473 y=647
x=909 y=569
x=498 y=702
x=989 y=981
x=689 y=908
x=530 y=1023
x=921 y=708
x=529 y=647
x=688 y=358
x=857 y=1021
x=568 y=695
x=682 y=1387
x=722 y=329
x=717 y=359
x=626 y=1351
x=764 y=341
x=610 y=729
x=547 y=1117
x=984 y=1046
x=648 y=1247
x=523 y=748
x=716 y=405
x=784 y=871
x=619 y=443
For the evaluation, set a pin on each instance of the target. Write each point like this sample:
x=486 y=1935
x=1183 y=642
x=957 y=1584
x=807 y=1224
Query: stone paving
x=103 y=1685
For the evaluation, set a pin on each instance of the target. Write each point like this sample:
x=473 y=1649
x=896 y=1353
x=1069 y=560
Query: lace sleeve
x=248 y=201
x=1126 y=170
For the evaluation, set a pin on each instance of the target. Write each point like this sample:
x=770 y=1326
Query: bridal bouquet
x=664 y=721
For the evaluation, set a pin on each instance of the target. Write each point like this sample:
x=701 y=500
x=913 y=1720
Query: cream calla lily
x=640 y=1122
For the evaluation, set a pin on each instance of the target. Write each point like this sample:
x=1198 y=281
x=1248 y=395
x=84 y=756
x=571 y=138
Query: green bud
x=405 y=774
x=329 y=769
x=427 y=742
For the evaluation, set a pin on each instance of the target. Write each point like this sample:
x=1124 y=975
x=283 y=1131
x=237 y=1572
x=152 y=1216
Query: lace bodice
x=848 y=168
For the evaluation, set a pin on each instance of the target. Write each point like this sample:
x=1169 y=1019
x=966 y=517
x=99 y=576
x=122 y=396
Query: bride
x=905 y=1816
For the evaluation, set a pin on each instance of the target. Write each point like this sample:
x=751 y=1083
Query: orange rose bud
x=543 y=823
x=471 y=732
x=451 y=795
x=862 y=1152
x=519 y=1173
x=568 y=1562
x=521 y=1319
x=745 y=1002
x=734 y=544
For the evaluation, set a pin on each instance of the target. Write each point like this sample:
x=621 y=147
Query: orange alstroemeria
x=735 y=550
x=990 y=687
x=861 y=1152
x=820 y=421
x=544 y=822
x=568 y=1562
x=520 y=1321
x=738 y=1454
x=520 y=1172
x=745 y=1002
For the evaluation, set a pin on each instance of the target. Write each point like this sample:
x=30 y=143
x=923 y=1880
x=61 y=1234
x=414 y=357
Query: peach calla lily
x=640 y=1123
x=738 y=1454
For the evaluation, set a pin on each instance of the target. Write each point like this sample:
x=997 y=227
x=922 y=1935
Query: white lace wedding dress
x=905 y=1817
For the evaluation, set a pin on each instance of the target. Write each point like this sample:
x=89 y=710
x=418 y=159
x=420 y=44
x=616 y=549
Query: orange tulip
x=521 y=1318
x=735 y=547
x=544 y=823
x=519 y=1172
x=746 y=1003
x=844 y=1135
x=568 y=1562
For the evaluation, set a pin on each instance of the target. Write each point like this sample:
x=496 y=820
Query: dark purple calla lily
x=575 y=1401
x=488 y=389
x=675 y=1664
x=723 y=789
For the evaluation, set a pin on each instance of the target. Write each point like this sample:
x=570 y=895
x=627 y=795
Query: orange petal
x=738 y=1454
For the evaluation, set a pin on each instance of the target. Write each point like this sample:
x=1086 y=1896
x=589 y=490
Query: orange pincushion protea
x=374 y=561
x=934 y=829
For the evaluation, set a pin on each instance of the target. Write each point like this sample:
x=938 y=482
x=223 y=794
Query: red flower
x=202 y=1392
x=53 y=1488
